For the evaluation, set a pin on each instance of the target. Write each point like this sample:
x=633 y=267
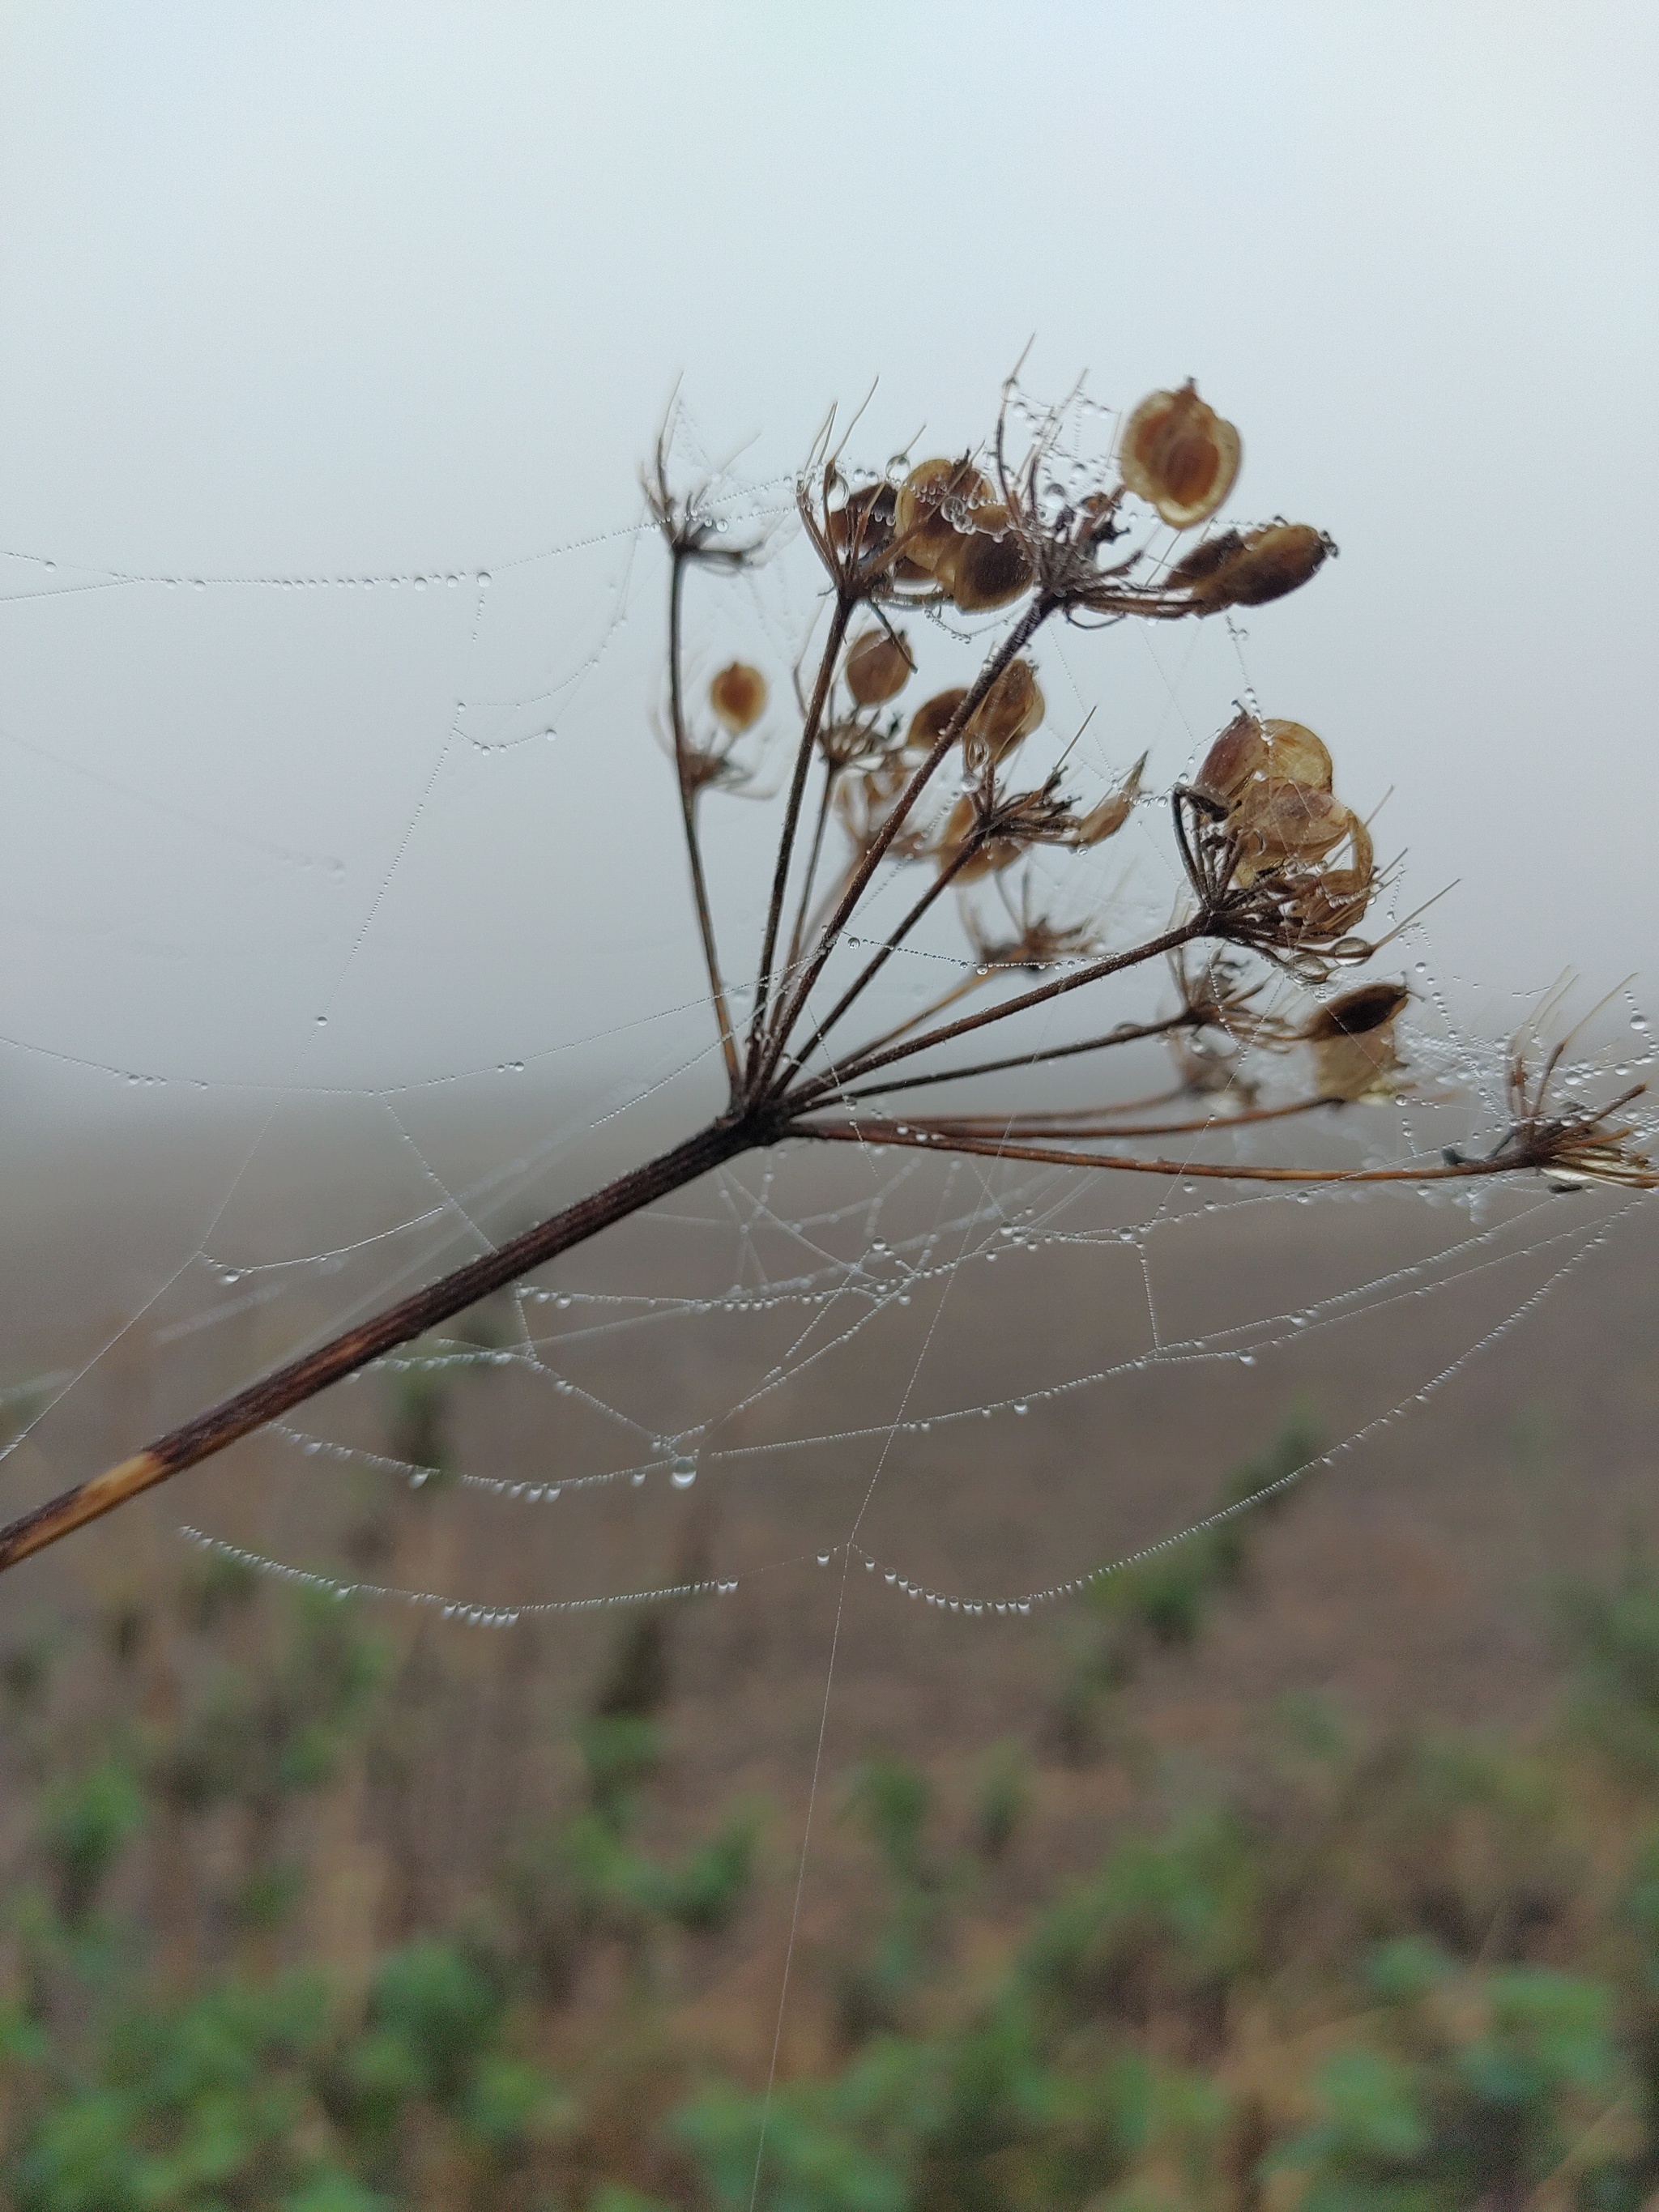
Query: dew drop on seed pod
x=684 y=1471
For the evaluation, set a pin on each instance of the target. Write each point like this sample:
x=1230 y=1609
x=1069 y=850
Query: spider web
x=426 y=907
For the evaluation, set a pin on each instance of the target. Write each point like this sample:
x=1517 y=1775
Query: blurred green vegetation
x=1417 y=1974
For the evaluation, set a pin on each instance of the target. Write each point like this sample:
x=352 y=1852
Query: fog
x=399 y=292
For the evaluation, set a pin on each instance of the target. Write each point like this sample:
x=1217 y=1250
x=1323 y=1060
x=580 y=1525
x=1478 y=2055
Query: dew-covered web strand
x=827 y=1282
x=50 y=1401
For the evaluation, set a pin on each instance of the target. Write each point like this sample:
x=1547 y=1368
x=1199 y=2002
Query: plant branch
x=890 y=1133
x=809 y=737
x=1021 y=635
x=873 y=967
x=354 y=1348
x=1125 y=1033
x=810 y=1093
x=688 y=816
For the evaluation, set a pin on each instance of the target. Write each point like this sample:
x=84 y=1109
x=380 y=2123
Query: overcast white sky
x=334 y=290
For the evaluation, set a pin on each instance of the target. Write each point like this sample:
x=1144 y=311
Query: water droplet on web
x=483 y=579
x=1639 y=1023
x=1246 y=1359
x=823 y=1559
x=322 y=1021
x=638 y=1477
x=684 y=1471
x=1020 y=1406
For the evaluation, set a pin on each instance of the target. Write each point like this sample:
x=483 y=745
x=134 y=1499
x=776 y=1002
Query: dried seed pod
x=878 y=666
x=991 y=566
x=863 y=520
x=1251 y=753
x=1295 y=755
x=1279 y=822
x=1179 y=455
x=990 y=856
x=932 y=719
x=1105 y=820
x=1239 y=754
x=737 y=696
x=1353 y=1037
x=934 y=510
x=1206 y=556
x=1264 y=565
x=1009 y=711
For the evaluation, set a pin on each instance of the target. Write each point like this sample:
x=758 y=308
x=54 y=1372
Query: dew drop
x=1246 y=1359
x=684 y=1471
x=823 y=1559
x=483 y=579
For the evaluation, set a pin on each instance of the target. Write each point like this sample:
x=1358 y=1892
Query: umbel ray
x=1278 y=874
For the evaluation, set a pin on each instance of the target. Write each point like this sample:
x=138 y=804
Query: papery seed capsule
x=1009 y=711
x=934 y=510
x=1237 y=754
x=864 y=519
x=1295 y=755
x=1178 y=454
x=737 y=696
x=991 y=567
x=932 y=719
x=1353 y=1037
x=1270 y=562
x=878 y=666
x=1280 y=822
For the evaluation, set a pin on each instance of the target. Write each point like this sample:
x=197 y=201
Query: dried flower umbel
x=1279 y=871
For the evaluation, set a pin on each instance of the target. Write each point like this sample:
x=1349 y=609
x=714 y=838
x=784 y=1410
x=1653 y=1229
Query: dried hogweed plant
x=1279 y=873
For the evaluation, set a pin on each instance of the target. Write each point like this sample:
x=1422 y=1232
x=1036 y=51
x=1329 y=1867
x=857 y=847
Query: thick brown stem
x=303 y=1378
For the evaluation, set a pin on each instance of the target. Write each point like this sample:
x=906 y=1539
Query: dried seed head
x=1264 y=565
x=1009 y=711
x=1105 y=820
x=1353 y=1043
x=934 y=512
x=991 y=566
x=878 y=666
x=990 y=854
x=1179 y=455
x=737 y=696
x=932 y=719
